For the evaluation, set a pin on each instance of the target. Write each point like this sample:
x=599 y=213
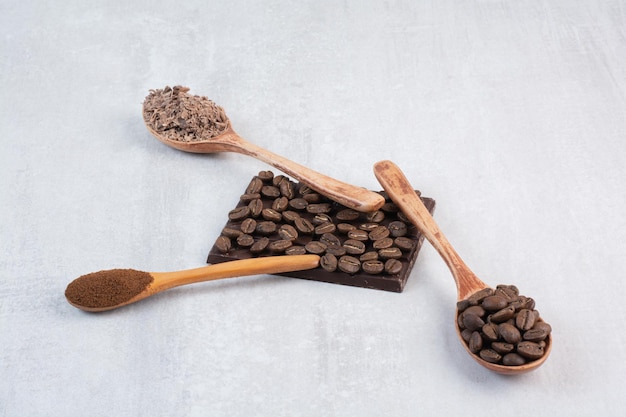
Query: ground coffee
x=502 y=326
x=107 y=288
x=180 y=116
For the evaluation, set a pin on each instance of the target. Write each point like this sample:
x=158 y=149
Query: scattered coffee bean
x=349 y=264
x=223 y=244
x=328 y=262
x=397 y=228
x=239 y=213
x=280 y=246
x=373 y=267
x=260 y=245
x=266 y=227
x=287 y=232
x=255 y=206
x=270 y=191
x=393 y=266
x=248 y=225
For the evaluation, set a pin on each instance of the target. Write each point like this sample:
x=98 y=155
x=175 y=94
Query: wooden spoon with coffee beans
x=227 y=140
x=402 y=194
x=114 y=288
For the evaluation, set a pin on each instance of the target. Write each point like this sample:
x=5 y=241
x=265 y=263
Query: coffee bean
x=304 y=226
x=357 y=234
x=349 y=264
x=290 y=216
x=266 y=227
x=223 y=244
x=287 y=232
x=538 y=333
x=312 y=197
x=287 y=190
x=478 y=310
x=330 y=239
x=513 y=359
x=375 y=216
x=475 y=342
x=503 y=315
x=369 y=256
x=494 y=303
x=232 y=233
x=390 y=253
x=315 y=247
x=248 y=225
x=266 y=176
x=295 y=250
x=378 y=233
x=393 y=266
x=336 y=250
x=503 y=348
x=490 y=355
x=246 y=198
x=325 y=228
x=271 y=214
x=479 y=296
x=383 y=243
x=397 y=228
x=321 y=218
x=525 y=319
x=373 y=267
x=245 y=240
x=255 y=206
x=368 y=227
x=260 y=245
x=466 y=334
x=298 y=203
x=255 y=186
x=345 y=227
x=472 y=321
x=270 y=191
x=354 y=247
x=305 y=189
x=347 y=215
x=389 y=208
x=509 y=333
x=318 y=208
x=239 y=213
x=278 y=179
x=530 y=350
x=328 y=262
x=280 y=245
x=490 y=331
x=404 y=243
x=280 y=204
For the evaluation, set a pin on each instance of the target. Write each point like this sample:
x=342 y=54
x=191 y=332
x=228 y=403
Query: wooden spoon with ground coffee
x=114 y=288
x=474 y=292
x=196 y=124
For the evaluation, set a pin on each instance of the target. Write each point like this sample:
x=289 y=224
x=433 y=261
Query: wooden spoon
x=100 y=291
x=351 y=196
x=402 y=193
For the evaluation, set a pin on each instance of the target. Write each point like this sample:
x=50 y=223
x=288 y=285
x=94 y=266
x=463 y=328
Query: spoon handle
x=244 y=267
x=357 y=198
x=395 y=183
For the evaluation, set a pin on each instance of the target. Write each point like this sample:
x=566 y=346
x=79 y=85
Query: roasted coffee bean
x=287 y=232
x=305 y=189
x=509 y=333
x=295 y=250
x=490 y=355
x=287 y=189
x=336 y=250
x=223 y=244
x=369 y=256
x=248 y=225
x=383 y=243
x=271 y=215
x=494 y=303
x=312 y=198
x=462 y=305
x=246 y=198
x=525 y=319
x=404 y=243
x=245 y=240
x=478 y=310
x=318 y=208
x=490 y=331
x=530 y=350
x=475 y=342
x=357 y=234
x=373 y=267
x=328 y=262
x=354 y=247
x=397 y=228
x=375 y=216
x=303 y=225
x=321 y=218
x=325 y=228
x=402 y=217
x=315 y=247
x=466 y=334
x=389 y=208
x=290 y=216
x=280 y=204
x=266 y=176
x=513 y=359
x=260 y=245
x=538 y=333
x=278 y=179
x=345 y=227
x=502 y=347
x=380 y=232
x=232 y=233
x=390 y=253
x=266 y=227
x=330 y=239
x=298 y=203
x=347 y=215
x=479 y=296
x=255 y=186
x=270 y=191
x=472 y=321
x=393 y=266
x=239 y=213
x=255 y=207
x=368 y=227
x=503 y=315
x=349 y=264
x=280 y=245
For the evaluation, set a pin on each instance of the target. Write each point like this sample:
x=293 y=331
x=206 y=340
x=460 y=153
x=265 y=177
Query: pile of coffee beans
x=502 y=326
x=300 y=220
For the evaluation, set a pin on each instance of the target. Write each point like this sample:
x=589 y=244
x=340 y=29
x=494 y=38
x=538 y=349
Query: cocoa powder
x=182 y=117
x=107 y=288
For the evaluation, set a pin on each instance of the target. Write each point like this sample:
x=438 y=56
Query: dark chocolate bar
x=276 y=216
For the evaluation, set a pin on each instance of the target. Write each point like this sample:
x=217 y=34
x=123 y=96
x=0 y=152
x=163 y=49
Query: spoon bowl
x=100 y=291
x=228 y=140
x=395 y=183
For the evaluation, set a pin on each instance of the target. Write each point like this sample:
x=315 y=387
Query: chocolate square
x=276 y=215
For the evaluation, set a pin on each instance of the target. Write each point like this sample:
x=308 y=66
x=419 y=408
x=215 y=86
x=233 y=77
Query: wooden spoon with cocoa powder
x=195 y=124
x=114 y=288
x=395 y=183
